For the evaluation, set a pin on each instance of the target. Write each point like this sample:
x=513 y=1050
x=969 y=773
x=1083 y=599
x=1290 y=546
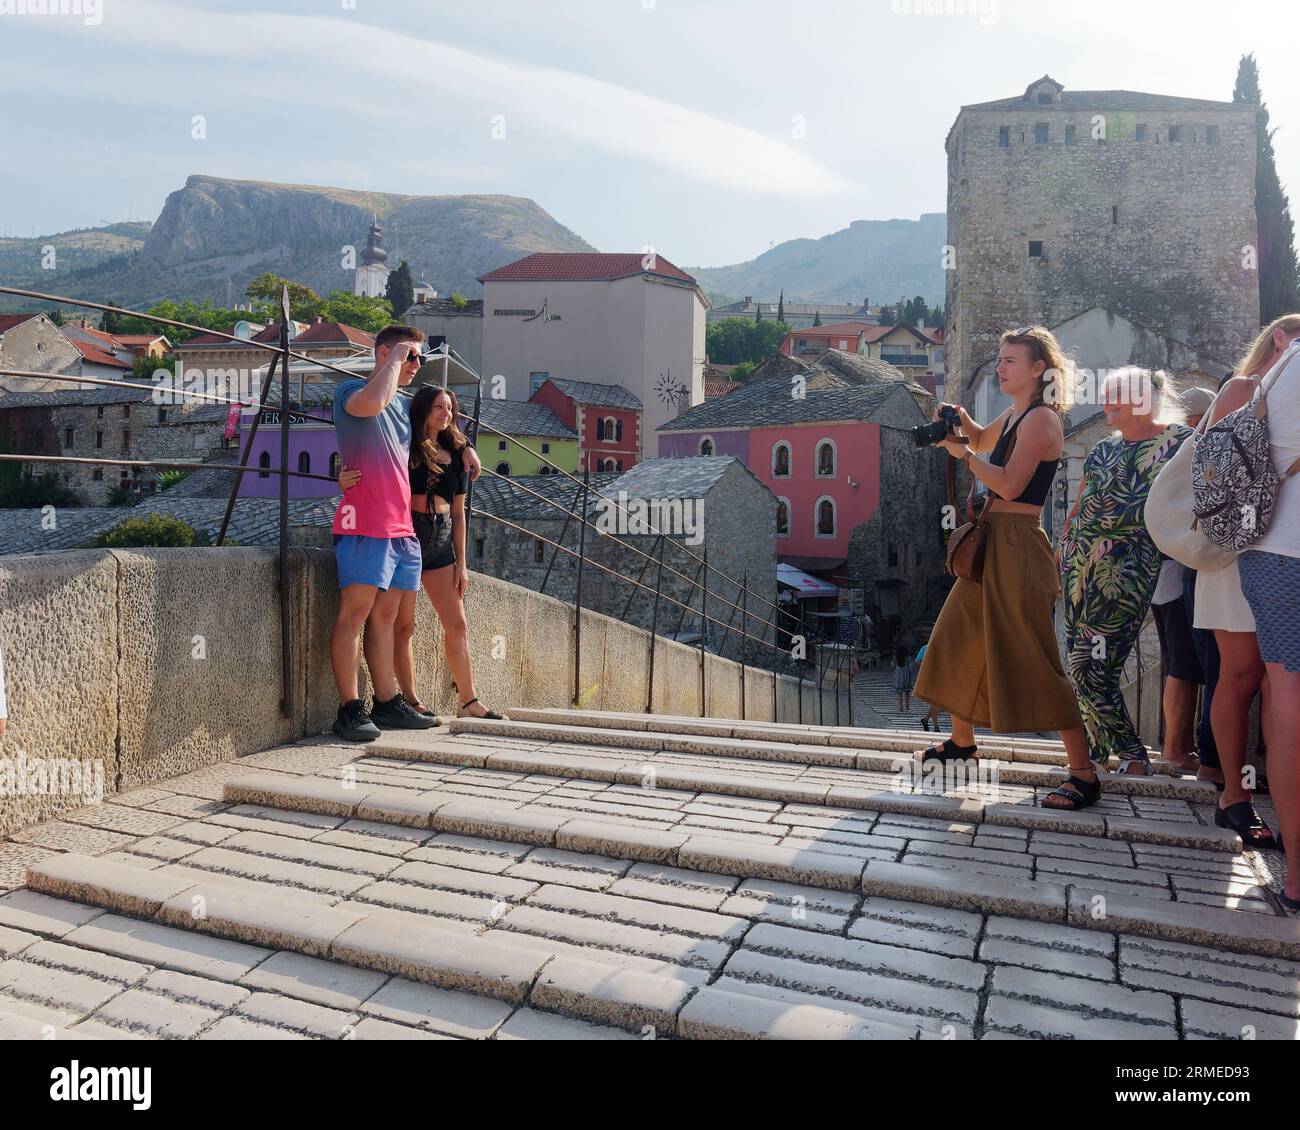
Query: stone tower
x=1062 y=201
x=372 y=274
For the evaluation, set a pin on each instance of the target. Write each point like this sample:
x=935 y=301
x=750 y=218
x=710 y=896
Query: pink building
x=858 y=503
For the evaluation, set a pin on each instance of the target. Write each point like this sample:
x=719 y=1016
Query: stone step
x=547 y=990
x=443 y=811
x=1032 y=750
x=925 y=866
x=647 y=742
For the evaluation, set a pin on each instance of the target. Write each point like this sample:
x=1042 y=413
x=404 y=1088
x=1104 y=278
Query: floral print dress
x=1109 y=566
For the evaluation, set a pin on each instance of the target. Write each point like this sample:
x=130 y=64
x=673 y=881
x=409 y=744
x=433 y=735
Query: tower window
x=1069 y=135
x=1044 y=99
x=1175 y=133
x=1114 y=213
x=1004 y=137
x=1035 y=248
x=1040 y=133
x=264 y=464
x=478 y=547
x=539 y=553
x=1141 y=133
x=1211 y=135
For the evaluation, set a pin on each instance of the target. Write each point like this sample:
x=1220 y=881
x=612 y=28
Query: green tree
x=369 y=314
x=780 y=307
x=734 y=340
x=741 y=370
x=817 y=317
x=915 y=311
x=888 y=316
x=56 y=316
x=1279 y=275
x=400 y=291
x=459 y=301
x=160 y=530
x=304 y=303
x=758 y=310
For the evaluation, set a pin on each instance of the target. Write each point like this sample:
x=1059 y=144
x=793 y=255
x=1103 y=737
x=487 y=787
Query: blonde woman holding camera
x=993 y=660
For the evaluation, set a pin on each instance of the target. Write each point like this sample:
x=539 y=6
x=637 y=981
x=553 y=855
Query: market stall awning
x=804 y=584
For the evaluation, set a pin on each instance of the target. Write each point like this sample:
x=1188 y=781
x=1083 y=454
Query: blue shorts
x=382 y=562
x=1270 y=583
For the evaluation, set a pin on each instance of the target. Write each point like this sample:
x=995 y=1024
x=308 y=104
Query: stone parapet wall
x=162 y=661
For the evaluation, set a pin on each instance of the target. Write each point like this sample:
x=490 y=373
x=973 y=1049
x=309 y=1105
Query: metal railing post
x=577 y=600
x=744 y=653
x=248 y=448
x=286 y=658
x=654 y=629
x=704 y=623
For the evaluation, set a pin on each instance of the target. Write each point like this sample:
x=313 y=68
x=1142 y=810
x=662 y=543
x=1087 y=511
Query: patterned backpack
x=1234 y=482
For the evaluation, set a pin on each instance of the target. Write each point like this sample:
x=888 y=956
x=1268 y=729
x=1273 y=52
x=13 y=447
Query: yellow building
x=525 y=426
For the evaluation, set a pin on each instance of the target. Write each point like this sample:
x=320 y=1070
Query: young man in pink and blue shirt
x=375 y=545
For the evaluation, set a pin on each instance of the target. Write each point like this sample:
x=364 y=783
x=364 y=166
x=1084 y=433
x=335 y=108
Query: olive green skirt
x=993 y=659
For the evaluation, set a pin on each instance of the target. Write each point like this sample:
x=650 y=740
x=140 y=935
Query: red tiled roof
x=720 y=386
x=140 y=339
x=97 y=356
x=563 y=266
x=321 y=332
x=318 y=333
x=8 y=321
x=835 y=329
x=106 y=338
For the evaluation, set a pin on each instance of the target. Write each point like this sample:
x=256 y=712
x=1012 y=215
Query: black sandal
x=950 y=751
x=1245 y=821
x=1085 y=793
x=491 y=714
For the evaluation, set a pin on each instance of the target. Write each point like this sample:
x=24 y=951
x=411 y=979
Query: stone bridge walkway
x=579 y=875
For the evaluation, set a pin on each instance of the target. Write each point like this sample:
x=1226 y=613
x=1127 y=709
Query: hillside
x=214 y=235
x=877 y=259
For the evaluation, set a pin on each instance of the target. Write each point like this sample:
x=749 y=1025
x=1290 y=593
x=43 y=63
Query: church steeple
x=372 y=272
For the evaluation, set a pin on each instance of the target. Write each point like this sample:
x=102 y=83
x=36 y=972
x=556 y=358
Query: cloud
x=342 y=61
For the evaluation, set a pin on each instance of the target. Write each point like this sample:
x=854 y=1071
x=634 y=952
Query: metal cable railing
x=283 y=353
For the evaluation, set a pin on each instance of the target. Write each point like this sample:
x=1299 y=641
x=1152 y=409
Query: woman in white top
x=1270 y=578
x=1221 y=605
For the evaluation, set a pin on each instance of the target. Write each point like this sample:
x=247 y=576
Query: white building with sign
x=625 y=319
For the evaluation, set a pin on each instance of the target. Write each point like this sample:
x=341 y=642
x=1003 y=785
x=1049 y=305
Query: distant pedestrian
x=931 y=716
x=903 y=679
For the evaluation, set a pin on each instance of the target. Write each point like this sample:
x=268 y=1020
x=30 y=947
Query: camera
x=927 y=435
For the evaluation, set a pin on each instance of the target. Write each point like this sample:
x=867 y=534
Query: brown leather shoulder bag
x=966 y=544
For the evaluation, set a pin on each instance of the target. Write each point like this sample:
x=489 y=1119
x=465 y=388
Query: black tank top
x=450 y=483
x=1036 y=489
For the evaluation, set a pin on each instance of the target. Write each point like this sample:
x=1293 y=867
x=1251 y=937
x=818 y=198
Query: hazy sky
x=707 y=128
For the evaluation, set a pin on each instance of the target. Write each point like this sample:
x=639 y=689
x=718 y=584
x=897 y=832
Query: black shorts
x=1177 y=649
x=434 y=532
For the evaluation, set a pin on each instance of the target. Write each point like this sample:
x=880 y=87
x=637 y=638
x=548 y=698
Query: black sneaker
x=353 y=723
x=398 y=714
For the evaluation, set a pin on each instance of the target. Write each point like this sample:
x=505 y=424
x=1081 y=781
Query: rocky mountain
x=214 y=235
x=23 y=261
x=877 y=259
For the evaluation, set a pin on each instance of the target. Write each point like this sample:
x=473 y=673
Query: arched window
x=607 y=465
x=782 y=517
x=825 y=517
x=335 y=464
x=826 y=459
x=503 y=469
x=706 y=446
x=264 y=463
x=608 y=428
x=304 y=462
x=781 y=460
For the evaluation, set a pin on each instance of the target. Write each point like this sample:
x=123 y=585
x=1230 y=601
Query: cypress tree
x=780 y=307
x=1279 y=277
x=400 y=290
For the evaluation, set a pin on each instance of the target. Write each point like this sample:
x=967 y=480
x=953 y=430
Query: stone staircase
x=572 y=874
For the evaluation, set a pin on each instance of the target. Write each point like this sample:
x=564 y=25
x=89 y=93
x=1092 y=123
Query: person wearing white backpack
x=1270 y=579
x=1221 y=605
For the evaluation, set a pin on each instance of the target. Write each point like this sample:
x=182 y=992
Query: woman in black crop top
x=993 y=658
x=438 y=485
